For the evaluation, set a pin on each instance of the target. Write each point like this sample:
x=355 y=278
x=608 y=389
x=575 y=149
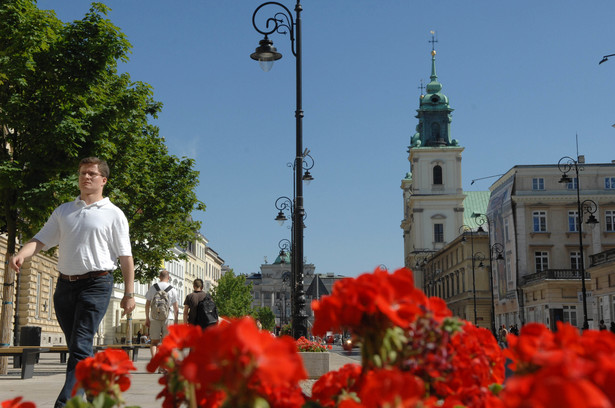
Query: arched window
x=437 y=174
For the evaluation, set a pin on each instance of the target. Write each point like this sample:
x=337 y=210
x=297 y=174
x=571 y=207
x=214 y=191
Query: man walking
x=160 y=309
x=192 y=301
x=91 y=233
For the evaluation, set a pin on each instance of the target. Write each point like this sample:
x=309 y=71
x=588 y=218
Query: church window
x=437 y=174
x=438 y=232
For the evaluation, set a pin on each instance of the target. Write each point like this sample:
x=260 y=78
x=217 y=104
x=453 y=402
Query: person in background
x=92 y=234
x=602 y=326
x=158 y=328
x=192 y=300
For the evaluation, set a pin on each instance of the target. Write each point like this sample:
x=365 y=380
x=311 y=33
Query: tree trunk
x=8 y=293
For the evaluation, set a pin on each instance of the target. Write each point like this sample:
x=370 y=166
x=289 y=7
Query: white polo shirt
x=90 y=237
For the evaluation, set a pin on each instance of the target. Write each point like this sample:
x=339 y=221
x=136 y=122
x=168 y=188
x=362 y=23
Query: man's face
x=90 y=179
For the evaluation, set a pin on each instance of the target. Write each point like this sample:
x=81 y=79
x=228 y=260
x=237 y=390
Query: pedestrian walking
x=192 y=300
x=91 y=234
x=160 y=309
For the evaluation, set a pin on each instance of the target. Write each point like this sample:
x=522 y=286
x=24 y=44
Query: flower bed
x=414 y=354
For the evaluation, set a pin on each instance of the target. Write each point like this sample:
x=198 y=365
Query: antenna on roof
x=482 y=178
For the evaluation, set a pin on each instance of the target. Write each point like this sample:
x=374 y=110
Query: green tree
x=266 y=317
x=233 y=296
x=61 y=99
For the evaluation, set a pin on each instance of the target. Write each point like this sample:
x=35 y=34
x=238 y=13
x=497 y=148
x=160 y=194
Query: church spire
x=434 y=113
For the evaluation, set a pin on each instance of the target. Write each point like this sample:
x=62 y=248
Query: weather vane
x=421 y=87
x=433 y=40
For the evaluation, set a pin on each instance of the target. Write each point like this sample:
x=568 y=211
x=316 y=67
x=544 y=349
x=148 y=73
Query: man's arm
x=147 y=304
x=186 y=311
x=30 y=249
x=128 y=272
x=176 y=313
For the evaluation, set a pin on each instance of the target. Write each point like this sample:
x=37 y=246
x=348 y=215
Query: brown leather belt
x=88 y=275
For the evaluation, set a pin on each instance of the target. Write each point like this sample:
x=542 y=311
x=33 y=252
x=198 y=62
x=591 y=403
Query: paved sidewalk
x=44 y=386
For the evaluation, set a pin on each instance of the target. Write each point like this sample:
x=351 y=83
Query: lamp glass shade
x=281 y=218
x=265 y=54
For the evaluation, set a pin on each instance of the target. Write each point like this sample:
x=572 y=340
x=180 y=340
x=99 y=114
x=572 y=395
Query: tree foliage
x=266 y=317
x=61 y=99
x=233 y=296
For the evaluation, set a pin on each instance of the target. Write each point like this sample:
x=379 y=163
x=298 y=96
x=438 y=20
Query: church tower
x=432 y=191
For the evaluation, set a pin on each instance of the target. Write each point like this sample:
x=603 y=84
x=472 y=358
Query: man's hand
x=128 y=304
x=30 y=249
x=16 y=262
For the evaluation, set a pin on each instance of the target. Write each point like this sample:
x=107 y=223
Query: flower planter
x=316 y=363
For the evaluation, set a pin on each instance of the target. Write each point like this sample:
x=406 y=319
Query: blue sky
x=523 y=78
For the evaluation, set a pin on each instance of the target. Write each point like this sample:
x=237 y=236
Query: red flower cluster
x=108 y=371
x=305 y=345
x=234 y=364
x=406 y=338
x=561 y=369
x=16 y=403
x=374 y=302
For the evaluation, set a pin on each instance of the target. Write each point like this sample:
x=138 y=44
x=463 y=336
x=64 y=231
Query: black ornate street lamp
x=266 y=54
x=565 y=165
x=497 y=249
x=463 y=230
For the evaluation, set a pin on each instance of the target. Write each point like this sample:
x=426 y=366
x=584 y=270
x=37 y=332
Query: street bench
x=27 y=356
x=63 y=350
x=131 y=349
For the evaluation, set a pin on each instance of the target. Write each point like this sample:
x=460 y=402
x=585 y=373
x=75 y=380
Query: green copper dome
x=434 y=115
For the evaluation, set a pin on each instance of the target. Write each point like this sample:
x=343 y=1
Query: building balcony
x=555 y=274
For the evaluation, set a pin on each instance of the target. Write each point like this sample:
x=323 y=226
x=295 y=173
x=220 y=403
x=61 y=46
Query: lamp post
x=462 y=230
x=266 y=54
x=565 y=165
x=286 y=278
x=496 y=248
x=422 y=257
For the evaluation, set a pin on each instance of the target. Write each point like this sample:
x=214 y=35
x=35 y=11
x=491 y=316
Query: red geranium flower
x=233 y=364
x=563 y=369
x=391 y=388
x=335 y=385
x=108 y=371
x=16 y=403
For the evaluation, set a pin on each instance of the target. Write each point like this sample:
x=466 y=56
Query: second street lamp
x=565 y=165
x=281 y=23
x=462 y=230
x=496 y=248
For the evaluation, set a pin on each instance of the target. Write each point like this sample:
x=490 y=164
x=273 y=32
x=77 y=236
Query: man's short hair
x=164 y=274
x=103 y=167
x=198 y=283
